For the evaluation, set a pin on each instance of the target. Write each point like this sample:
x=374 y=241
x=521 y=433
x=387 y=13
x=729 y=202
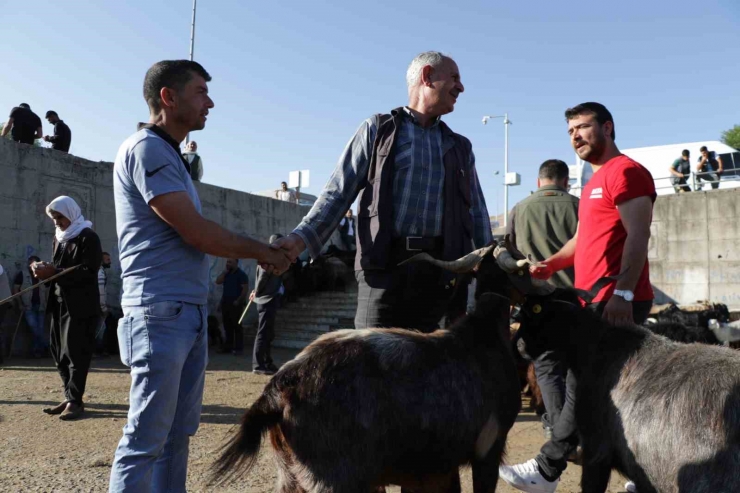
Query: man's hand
x=292 y=246
x=618 y=311
x=251 y=296
x=541 y=270
x=276 y=262
x=42 y=270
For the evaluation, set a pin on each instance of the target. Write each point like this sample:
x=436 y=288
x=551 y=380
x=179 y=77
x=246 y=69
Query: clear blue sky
x=293 y=80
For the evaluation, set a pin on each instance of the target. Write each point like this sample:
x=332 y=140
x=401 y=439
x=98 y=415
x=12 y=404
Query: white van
x=658 y=159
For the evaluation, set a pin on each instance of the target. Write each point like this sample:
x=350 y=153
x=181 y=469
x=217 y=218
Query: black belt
x=418 y=243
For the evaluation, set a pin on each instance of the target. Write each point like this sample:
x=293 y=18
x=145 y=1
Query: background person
x=103 y=293
x=709 y=168
x=233 y=300
x=267 y=293
x=23 y=124
x=680 y=171
x=62 y=138
x=285 y=194
x=33 y=304
x=196 y=162
x=73 y=304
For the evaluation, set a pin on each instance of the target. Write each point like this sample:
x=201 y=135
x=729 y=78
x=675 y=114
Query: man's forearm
x=564 y=258
x=220 y=242
x=634 y=256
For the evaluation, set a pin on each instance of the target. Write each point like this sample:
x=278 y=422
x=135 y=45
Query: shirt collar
x=545 y=188
x=410 y=114
x=167 y=138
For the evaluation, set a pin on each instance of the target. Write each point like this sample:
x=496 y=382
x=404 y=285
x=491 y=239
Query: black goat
x=679 y=332
x=360 y=409
x=665 y=414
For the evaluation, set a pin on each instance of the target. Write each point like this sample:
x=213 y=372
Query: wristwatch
x=625 y=293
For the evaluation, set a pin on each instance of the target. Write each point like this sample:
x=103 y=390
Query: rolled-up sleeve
x=349 y=177
x=482 y=234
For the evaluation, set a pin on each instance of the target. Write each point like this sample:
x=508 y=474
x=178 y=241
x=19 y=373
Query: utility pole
x=192 y=47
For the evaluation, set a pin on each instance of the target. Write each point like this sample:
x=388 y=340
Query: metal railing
x=696 y=182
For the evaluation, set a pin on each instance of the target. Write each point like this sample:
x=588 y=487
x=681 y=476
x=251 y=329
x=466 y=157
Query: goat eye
x=536 y=308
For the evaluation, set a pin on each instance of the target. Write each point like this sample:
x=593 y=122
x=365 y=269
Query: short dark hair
x=685 y=153
x=169 y=73
x=703 y=149
x=51 y=113
x=34 y=258
x=24 y=105
x=597 y=109
x=554 y=169
x=106 y=253
x=284 y=183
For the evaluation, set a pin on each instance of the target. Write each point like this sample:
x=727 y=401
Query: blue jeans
x=35 y=321
x=166 y=346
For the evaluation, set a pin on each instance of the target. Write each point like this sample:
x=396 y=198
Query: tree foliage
x=731 y=137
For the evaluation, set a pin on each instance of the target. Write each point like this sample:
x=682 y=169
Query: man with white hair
x=419 y=193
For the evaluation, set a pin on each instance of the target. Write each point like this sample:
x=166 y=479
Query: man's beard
x=597 y=150
x=106 y=266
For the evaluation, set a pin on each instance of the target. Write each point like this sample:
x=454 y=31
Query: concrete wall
x=694 y=252
x=31 y=177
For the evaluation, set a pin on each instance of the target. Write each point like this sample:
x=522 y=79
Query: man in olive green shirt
x=543 y=223
x=540 y=225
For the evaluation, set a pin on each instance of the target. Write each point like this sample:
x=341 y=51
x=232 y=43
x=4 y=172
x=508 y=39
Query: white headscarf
x=67 y=207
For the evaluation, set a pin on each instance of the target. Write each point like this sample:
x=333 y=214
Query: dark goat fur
x=664 y=414
x=360 y=409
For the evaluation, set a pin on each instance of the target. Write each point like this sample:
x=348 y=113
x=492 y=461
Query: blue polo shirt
x=156 y=264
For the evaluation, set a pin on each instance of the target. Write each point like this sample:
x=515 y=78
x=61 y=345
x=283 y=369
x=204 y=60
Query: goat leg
x=485 y=470
x=595 y=476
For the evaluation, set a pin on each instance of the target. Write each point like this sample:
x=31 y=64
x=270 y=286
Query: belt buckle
x=408 y=247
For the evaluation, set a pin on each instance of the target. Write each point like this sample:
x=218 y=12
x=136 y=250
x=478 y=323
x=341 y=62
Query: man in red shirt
x=615 y=213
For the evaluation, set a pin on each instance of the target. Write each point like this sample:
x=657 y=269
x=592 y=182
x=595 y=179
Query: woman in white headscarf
x=74 y=303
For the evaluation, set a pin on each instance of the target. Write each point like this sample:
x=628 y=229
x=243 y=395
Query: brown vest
x=375 y=214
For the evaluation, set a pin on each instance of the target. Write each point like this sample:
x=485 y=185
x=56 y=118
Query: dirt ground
x=40 y=453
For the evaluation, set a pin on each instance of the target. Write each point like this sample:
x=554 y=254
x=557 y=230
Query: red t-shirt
x=601 y=234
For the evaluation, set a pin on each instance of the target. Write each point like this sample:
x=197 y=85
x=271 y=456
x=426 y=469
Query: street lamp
x=192 y=46
x=507 y=122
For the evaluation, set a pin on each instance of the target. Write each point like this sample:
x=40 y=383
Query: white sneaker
x=527 y=477
x=630 y=487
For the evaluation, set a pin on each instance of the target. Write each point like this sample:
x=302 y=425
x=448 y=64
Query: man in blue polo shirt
x=163 y=240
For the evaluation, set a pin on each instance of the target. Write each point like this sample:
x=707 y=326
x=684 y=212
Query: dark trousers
x=413 y=296
x=554 y=454
x=72 y=345
x=261 y=357
x=680 y=185
x=234 y=332
x=712 y=177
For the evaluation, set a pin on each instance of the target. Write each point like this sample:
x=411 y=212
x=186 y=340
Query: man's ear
x=608 y=129
x=167 y=97
x=427 y=75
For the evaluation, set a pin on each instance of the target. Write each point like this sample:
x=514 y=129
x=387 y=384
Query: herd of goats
x=360 y=409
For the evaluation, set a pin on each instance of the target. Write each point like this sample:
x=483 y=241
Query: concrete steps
x=299 y=323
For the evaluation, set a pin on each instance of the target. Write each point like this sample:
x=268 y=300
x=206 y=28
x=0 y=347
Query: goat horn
x=505 y=260
x=459 y=266
x=511 y=248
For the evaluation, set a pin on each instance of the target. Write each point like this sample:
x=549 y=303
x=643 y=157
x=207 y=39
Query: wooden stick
x=245 y=312
x=34 y=286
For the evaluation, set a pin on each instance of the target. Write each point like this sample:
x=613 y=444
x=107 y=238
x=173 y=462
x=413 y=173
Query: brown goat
x=360 y=409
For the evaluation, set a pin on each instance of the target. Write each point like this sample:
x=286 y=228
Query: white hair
x=433 y=58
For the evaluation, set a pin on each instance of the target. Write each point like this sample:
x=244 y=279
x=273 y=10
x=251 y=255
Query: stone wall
x=694 y=252
x=31 y=177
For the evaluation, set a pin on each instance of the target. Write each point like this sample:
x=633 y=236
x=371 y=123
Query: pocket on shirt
x=124 y=339
x=164 y=311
